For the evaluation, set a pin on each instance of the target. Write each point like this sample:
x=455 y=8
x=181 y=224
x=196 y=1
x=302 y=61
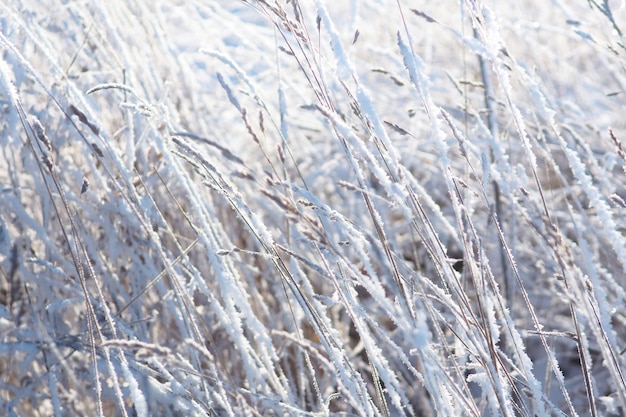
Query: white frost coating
x=486 y=167
x=282 y=106
x=375 y=354
x=139 y=401
x=179 y=247
x=54 y=391
x=236 y=306
x=171 y=391
x=356 y=236
x=492 y=46
x=362 y=152
x=600 y=295
x=130 y=140
x=240 y=72
x=610 y=404
x=525 y=363
x=420 y=334
x=494 y=328
x=481 y=378
x=435 y=381
x=7 y=84
x=415 y=66
x=345 y=70
x=367 y=108
x=579 y=170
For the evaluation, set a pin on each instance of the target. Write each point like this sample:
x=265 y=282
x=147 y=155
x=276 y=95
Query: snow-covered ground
x=365 y=207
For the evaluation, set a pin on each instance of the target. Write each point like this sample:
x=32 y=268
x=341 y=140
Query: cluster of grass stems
x=259 y=208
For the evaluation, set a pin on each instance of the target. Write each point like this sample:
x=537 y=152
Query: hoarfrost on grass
x=311 y=208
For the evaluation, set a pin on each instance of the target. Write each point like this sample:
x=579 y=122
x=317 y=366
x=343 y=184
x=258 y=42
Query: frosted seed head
x=40 y=133
x=85 y=186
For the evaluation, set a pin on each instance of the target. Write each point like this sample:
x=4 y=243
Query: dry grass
x=279 y=208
